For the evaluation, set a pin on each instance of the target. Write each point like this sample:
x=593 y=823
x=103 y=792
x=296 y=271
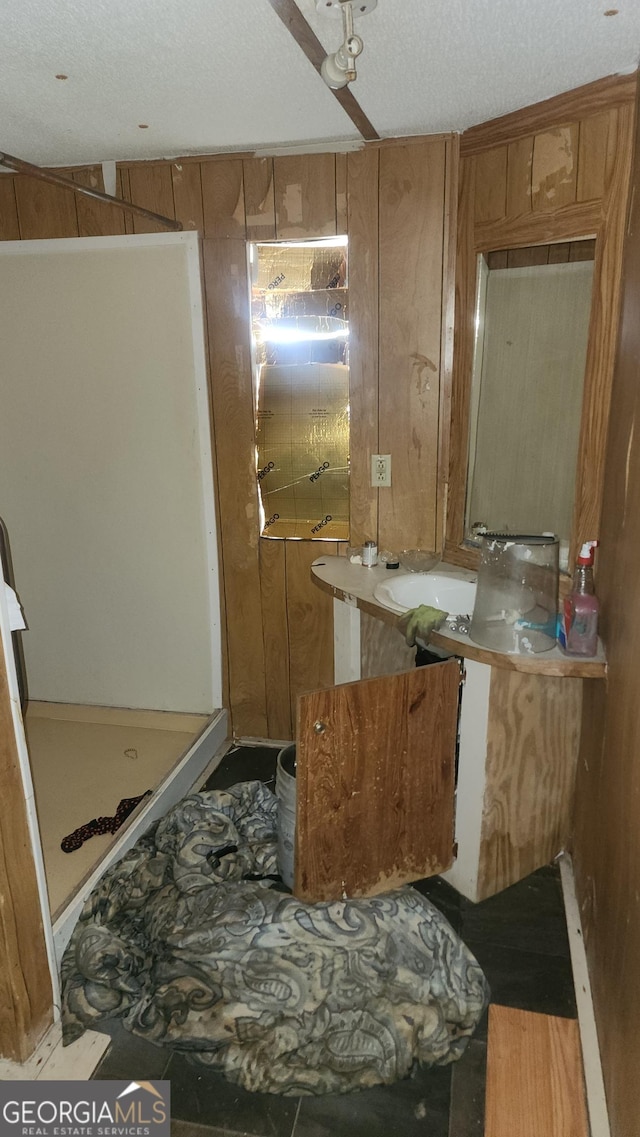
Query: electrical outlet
x=380 y=470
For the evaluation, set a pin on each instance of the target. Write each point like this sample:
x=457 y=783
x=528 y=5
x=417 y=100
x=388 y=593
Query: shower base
x=84 y=760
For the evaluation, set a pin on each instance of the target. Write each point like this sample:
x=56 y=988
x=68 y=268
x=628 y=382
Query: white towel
x=16 y=619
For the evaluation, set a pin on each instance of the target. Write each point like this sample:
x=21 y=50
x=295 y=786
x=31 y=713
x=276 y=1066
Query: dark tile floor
x=519 y=938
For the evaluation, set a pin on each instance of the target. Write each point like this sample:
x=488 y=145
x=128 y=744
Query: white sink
x=446 y=591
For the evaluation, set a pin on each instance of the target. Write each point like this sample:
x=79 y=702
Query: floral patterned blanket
x=194 y=947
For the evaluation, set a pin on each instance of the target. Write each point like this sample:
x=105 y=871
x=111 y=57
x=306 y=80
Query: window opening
x=300 y=327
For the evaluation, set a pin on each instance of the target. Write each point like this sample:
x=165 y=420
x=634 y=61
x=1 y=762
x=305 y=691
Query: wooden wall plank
x=362 y=170
x=581 y=251
x=187 y=195
x=305 y=196
x=491 y=185
x=449 y=248
x=151 y=186
x=519 y=162
x=594 y=135
x=9 y=227
x=592 y=845
x=410 y=305
x=125 y=184
x=227 y=300
x=535 y=1084
x=310 y=620
x=463 y=344
x=275 y=626
x=375 y=788
x=26 y=996
x=223 y=199
x=528 y=256
x=606 y=847
x=45 y=210
x=532 y=751
x=554 y=169
x=617 y=135
x=559 y=254
x=342 y=211
x=224 y=616
x=96 y=218
x=259 y=199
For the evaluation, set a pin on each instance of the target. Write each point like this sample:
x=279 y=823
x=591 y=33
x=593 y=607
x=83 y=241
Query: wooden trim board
x=590 y=99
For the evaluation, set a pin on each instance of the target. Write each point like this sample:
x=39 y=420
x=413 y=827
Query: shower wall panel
x=104 y=461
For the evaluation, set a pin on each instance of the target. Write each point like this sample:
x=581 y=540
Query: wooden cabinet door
x=375 y=783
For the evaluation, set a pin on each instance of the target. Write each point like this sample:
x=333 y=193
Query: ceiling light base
x=334 y=7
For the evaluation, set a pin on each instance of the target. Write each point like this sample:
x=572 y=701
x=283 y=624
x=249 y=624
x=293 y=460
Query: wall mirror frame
x=491 y=217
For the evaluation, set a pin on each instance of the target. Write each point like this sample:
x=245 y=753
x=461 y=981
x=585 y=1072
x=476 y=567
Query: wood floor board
x=535 y=1085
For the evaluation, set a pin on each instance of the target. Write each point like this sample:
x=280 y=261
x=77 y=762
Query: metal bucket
x=286 y=795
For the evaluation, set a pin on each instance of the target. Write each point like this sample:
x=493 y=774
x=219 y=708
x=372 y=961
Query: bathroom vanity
x=379 y=799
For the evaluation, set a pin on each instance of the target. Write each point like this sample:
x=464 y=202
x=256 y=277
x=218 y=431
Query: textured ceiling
x=208 y=75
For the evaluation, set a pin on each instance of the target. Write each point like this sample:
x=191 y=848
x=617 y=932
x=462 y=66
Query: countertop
x=355 y=585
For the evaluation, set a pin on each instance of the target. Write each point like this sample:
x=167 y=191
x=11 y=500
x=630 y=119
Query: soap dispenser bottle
x=580 y=619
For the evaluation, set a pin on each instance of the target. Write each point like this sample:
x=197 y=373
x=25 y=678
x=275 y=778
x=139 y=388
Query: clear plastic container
x=517 y=593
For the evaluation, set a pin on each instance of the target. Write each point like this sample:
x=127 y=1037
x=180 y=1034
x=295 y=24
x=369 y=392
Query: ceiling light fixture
x=339 y=68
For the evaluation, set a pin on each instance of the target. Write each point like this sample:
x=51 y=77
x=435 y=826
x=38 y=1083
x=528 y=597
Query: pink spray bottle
x=580 y=615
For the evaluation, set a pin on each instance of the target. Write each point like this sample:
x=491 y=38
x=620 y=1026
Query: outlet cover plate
x=380 y=470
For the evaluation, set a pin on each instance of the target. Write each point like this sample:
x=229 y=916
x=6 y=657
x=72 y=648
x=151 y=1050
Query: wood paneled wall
x=394 y=202
x=607 y=807
x=553 y=172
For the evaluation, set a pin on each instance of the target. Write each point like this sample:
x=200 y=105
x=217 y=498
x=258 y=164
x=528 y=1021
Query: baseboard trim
x=594 y=1081
x=255 y=741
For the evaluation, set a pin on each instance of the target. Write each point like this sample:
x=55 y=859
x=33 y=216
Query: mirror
x=531 y=328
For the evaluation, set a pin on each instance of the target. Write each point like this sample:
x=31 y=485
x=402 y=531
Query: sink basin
x=451 y=593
